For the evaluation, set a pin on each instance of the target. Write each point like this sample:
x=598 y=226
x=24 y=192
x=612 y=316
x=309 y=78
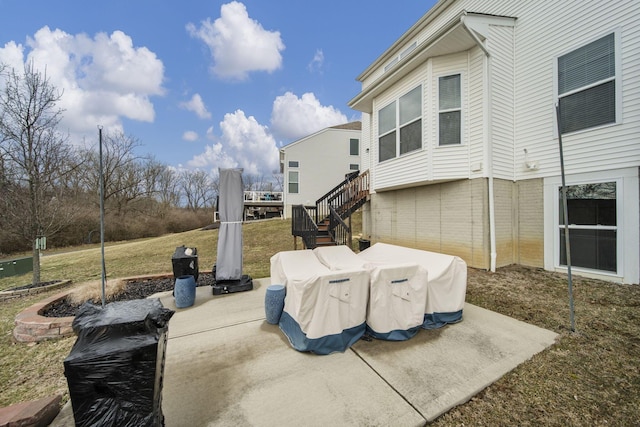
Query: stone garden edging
x=31 y=326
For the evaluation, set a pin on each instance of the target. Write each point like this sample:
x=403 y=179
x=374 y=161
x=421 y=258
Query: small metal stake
x=104 y=269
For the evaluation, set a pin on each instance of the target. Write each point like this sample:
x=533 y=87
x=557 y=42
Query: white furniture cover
x=397 y=293
x=446 y=285
x=324 y=310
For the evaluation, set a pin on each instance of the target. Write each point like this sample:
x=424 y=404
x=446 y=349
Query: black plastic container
x=185 y=262
x=363 y=244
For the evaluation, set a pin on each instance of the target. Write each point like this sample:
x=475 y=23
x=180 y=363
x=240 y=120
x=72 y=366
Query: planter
x=274 y=303
x=184 y=291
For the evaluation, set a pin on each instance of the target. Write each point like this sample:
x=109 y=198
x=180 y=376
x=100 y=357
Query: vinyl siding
x=450 y=162
x=543 y=31
x=324 y=160
x=546 y=31
x=410 y=167
x=502 y=100
x=476 y=112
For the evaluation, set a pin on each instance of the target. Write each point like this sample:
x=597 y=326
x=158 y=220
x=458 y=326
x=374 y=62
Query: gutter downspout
x=488 y=154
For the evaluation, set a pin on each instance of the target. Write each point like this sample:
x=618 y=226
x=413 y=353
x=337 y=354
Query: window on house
x=293 y=164
x=293 y=182
x=354 y=167
x=354 y=146
x=400 y=126
x=587 y=85
x=449 y=110
x=592 y=226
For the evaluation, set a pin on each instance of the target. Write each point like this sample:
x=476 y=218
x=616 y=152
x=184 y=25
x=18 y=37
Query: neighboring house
x=313 y=165
x=459 y=133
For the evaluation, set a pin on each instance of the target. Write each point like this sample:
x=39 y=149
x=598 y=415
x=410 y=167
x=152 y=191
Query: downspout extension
x=488 y=144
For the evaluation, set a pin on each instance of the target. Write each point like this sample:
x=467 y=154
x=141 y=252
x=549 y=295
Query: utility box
x=185 y=262
x=16 y=267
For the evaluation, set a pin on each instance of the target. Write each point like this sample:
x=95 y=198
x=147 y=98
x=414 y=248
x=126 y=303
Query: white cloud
x=196 y=105
x=244 y=143
x=317 y=62
x=293 y=117
x=190 y=136
x=103 y=79
x=238 y=43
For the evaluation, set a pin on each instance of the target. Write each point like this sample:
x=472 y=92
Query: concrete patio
x=225 y=365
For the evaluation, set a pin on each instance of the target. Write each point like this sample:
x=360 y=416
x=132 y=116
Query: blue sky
x=204 y=84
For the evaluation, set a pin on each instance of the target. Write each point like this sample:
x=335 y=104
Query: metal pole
x=566 y=222
x=104 y=269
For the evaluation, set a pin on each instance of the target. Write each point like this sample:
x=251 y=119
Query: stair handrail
x=351 y=196
x=302 y=225
x=322 y=210
x=339 y=230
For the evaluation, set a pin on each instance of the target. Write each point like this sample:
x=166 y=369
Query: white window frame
x=619 y=227
x=358 y=146
x=289 y=182
x=398 y=126
x=617 y=79
x=461 y=109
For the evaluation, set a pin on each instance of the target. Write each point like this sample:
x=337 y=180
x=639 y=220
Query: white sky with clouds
x=204 y=84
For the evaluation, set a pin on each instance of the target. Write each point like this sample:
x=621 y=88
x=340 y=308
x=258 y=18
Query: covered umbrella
x=228 y=268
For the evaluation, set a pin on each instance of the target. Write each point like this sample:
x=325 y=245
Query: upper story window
x=294 y=164
x=400 y=126
x=587 y=81
x=450 y=110
x=354 y=146
x=294 y=182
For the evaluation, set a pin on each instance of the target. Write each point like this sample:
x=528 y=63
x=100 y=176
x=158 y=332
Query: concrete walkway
x=225 y=366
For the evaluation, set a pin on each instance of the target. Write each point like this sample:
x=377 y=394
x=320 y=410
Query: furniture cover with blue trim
x=324 y=311
x=397 y=293
x=446 y=285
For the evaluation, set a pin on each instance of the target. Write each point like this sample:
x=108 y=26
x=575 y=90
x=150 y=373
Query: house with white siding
x=461 y=138
x=313 y=165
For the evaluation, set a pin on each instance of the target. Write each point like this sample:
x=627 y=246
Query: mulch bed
x=135 y=289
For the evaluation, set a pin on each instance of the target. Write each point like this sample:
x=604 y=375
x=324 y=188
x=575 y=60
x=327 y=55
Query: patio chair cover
x=324 y=311
x=446 y=285
x=230 y=207
x=397 y=293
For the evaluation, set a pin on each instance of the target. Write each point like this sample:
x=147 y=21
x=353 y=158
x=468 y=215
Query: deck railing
x=334 y=207
x=263 y=196
x=302 y=225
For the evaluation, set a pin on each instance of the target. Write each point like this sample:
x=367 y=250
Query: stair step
x=325 y=244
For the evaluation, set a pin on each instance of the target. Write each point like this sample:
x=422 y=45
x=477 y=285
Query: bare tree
x=197 y=187
x=36 y=155
x=125 y=173
x=278 y=180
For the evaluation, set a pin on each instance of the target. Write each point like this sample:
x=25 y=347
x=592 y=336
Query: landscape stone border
x=15 y=293
x=31 y=326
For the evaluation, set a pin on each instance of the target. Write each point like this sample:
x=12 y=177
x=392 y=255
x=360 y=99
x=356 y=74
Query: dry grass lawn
x=589 y=377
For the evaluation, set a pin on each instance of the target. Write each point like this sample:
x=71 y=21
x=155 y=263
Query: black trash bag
x=115 y=368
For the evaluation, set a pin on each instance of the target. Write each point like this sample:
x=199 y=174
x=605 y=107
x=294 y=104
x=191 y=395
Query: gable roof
x=349 y=126
x=346 y=126
x=464 y=31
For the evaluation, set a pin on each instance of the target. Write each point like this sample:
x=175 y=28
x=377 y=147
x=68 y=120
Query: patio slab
x=225 y=365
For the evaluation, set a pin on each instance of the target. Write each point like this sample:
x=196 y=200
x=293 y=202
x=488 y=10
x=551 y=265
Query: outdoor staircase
x=328 y=223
